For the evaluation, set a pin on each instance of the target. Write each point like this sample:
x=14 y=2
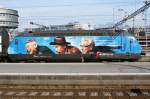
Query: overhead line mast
x=140 y=10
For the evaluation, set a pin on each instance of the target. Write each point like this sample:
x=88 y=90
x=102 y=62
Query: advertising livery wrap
x=96 y=46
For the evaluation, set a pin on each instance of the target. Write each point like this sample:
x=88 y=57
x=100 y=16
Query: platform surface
x=75 y=73
x=125 y=67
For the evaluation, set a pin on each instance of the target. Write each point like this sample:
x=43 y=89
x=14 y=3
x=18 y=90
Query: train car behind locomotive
x=72 y=45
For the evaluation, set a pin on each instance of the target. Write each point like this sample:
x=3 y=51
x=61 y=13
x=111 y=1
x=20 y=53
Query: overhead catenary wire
x=81 y=4
x=105 y=17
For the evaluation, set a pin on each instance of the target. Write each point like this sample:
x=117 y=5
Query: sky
x=94 y=12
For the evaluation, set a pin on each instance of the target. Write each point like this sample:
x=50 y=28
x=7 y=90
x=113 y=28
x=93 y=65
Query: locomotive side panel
x=94 y=47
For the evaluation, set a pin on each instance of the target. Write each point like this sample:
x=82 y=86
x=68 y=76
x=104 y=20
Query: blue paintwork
x=122 y=44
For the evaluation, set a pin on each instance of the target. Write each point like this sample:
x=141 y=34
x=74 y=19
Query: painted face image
x=86 y=46
x=31 y=47
x=60 y=49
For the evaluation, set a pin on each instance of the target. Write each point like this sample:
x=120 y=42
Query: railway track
x=73 y=92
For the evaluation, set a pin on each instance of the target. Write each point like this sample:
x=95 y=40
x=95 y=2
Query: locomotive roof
x=70 y=33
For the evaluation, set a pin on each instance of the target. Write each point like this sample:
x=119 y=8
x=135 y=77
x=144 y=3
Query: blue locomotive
x=72 y=45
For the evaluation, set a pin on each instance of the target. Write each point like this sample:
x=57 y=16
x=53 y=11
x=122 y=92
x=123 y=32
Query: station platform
x=75 y=73
x=103 y=79
x=75 y=80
